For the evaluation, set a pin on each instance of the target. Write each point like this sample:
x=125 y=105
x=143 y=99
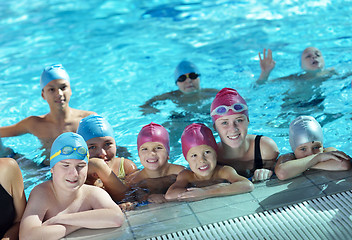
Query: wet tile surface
x=159 y=219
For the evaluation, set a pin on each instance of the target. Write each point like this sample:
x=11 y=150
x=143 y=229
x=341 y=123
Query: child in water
x=251 y=155
x=205 y=179
x=56 y=90
x=152 y=182
x=306 y=140
x=105 y=170
x=312 y=63
x=64 y=204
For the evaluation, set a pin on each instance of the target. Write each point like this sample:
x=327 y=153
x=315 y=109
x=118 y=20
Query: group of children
x=83 y=162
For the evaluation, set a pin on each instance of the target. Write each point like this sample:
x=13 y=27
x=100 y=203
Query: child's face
x=312 y=59
x=232 y=129
x=307 y=149
x=69 y=174
x=153 y=155
x=189 y=85
x=202 y=160
x=102 y=147
x=57 y=93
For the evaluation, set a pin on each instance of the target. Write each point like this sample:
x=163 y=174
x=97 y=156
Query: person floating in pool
x=64 y=204
x=250 y=155
x=105 y=170
x=56 y=90
x=205 y=178
x=306 y=140
x=312 y=63
x=12 y=198
x=190 y=103
x=189 y=94
x=152 y=182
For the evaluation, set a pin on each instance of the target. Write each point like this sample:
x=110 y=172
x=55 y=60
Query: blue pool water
x=121 y=53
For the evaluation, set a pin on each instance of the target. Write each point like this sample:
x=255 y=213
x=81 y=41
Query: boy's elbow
x=248 y=187
x=118 y=220
x=345 y=165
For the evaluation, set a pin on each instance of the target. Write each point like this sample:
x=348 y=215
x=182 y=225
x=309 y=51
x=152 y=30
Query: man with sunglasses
x=65 y=204
x=56 y=90
x=191 y=102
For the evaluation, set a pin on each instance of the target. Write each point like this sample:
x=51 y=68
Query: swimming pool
x=121 y=53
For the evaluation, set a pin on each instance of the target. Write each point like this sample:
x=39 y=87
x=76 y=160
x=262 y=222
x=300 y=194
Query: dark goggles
x=191 y=75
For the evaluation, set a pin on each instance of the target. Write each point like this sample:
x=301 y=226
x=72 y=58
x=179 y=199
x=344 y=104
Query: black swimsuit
x=7 y=211
x=258 y=161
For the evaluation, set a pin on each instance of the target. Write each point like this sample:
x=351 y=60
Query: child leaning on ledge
x=306 y=140
x=205 y=179
x=64 y=204
x=152 y=182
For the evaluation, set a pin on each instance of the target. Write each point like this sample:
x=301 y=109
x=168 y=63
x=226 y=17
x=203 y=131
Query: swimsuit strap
x=122 y=173
x=258 y=161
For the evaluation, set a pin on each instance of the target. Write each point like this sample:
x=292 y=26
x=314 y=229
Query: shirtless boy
x=56 y=90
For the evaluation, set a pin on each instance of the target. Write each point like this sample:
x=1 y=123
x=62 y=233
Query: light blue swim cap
x=304 y=129
x=184 y=67
x=52 y=72
x=94 y=126
x=68 y=140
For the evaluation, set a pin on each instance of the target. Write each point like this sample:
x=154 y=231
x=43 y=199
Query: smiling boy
x=64 y=204
x=56 y=90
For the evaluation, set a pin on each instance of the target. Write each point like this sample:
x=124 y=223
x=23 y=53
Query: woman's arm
x=14 y=176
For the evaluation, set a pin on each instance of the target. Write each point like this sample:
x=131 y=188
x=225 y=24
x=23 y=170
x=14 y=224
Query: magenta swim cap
x=153 y=133
x=227 y=102
x=197 y=134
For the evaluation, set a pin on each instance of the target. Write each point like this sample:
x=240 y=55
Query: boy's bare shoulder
x=82 y=113
x=42 y=191
x=175 y=169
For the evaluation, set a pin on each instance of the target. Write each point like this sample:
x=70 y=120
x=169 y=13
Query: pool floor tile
x=228 y=212
x=164 y=227
x=159 y=215
x=218 y=202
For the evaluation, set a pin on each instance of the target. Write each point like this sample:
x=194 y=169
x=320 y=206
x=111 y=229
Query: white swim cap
x=304 y=129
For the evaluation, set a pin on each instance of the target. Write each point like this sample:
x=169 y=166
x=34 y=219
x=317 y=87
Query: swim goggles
x=223 y=109
x=67 y=150
x=191 y=75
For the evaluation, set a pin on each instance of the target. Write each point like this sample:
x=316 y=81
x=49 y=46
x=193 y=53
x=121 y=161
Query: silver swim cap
x=304 y=129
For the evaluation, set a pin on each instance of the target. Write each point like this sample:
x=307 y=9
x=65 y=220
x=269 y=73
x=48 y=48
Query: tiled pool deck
x=158 y=219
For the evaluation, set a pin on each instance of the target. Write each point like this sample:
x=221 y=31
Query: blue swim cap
x=69 y=141
x=183 y=68
x=52 y=72
x=94 y=126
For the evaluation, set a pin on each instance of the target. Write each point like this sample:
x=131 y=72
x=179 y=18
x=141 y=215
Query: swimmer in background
x=105 y=170
x=312 y=63
x=12 y=198
x=65 y=204
x=56 y=90
x=152 y=182
x=191 y=102
x=205 y=178
x=189 y=95
x=306 y=140
x=250 y=155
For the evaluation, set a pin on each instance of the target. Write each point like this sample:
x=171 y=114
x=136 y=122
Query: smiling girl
x=251 y=155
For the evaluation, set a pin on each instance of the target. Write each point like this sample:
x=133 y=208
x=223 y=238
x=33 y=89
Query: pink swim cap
x=153 y=133
x=227 y=102
x=197 y=134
